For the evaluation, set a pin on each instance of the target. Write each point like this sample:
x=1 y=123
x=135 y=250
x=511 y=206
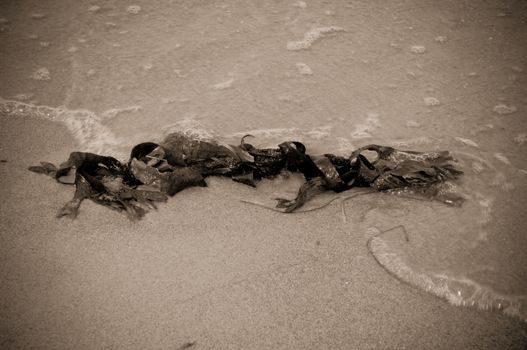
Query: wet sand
x=206 y=268
x=241 y=278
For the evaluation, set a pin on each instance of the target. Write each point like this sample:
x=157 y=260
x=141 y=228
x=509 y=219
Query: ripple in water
x=458 y=291
x=451 y=249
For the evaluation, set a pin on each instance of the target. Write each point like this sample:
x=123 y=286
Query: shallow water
x=416 y=75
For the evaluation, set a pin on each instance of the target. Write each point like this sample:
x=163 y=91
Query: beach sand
x=234 y=276
x=208 y=271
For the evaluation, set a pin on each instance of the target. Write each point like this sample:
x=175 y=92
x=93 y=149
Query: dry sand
x=231 y=276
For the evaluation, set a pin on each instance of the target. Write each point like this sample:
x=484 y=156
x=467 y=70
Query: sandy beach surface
x=233 y=277
x=207 y=270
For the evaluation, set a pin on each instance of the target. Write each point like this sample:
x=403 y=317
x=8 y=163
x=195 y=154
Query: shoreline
x=243 y=278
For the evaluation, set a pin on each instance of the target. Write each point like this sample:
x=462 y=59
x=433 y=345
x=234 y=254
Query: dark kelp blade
x=134 y=212
x=241 y=154
x=44 y=168
x=67 y=176
x=180 y=179
x=156 y=171
x=331 y=176
x=143 y=195
x=70 y=209
x=146 y=174
x=307 y=191
x=247 y=179
x=83 y=190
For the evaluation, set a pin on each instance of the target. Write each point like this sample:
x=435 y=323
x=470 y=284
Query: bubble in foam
x=421 y=140
x=467 y=142
x=431 y=101
x=485 y=205
x=112 y=113
x=41 y=74
x=223 y=85
x=440 y=39
x=344 y=146
x=419 y=49
x=503 y=109
x=24 y=97
x=481 y=128
x=458 y=291
x=520 y=139
x=304 y=69
x=477 y=167
x=365 y=129
x=73 y=49
x=190 y=127
x=319 y=133
x=311 y=36
x=133 y=9
x=361 y=133
x=502 y=158
x=44 y=43
x=94 y=8
x=501 y=181
x=3 y=20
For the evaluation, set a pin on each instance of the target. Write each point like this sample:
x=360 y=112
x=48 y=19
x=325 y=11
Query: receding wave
x=93 y=135
x=481 y=235
x=459 y=291
x=86 y=126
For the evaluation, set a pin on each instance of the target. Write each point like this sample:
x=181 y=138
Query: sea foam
x=459 y=291
x=311 y=36
x=84 y=125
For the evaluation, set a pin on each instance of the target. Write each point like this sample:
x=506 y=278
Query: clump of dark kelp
x=156 y=171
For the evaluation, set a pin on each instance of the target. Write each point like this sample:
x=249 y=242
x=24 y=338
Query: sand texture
x=204 y=268
x=209 y=271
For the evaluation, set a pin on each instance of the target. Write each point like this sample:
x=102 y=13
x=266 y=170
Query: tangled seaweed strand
x=156 y=171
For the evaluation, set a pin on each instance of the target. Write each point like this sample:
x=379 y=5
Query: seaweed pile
x=156 y=171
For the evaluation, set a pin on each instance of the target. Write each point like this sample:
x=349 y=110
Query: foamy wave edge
x=458 y=291
x=84 y=125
